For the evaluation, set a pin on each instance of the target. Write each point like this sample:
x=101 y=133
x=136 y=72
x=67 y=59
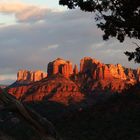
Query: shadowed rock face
x=30 y=76
x=5 y=137
x=75 y=70
x=60 y=66
x=64 y=84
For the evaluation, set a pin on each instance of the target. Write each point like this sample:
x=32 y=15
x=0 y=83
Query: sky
x=35 y=32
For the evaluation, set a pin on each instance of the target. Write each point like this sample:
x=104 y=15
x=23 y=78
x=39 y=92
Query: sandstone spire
x=75 y=70
x=30 y=76
x=61 y=66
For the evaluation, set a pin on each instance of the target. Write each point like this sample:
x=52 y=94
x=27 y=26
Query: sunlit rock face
x=65 y=84
x=19 y=90
x=99 y=76
x=24 y=81
x=55 y=88
x=117 y=71
x=99 y=71
x=93 y=68
x=60 y=66
x=138 y=74
x=30 y=76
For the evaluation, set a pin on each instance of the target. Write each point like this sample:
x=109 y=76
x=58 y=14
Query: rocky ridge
x=65 y=84
x=30 y=76
x=95 y=76
x=98 y=70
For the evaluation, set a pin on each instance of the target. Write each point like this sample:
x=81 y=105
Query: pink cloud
x=22 y=11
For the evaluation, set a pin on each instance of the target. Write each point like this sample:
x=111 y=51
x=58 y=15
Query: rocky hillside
x=116 y=118
x=55 y=88
x=65 y=83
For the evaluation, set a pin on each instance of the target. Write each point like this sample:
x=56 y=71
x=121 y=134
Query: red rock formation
x=117 y=71
x=106 y=76
x=19 y=91
x=138 y=74
x=88 y=64
x=75 y=70
x=30 y=76
x=100 y=71
x=56 y=88
x=60 y=66
x=94 y=77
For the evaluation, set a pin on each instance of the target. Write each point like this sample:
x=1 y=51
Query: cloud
x=22 y=11
x=12 y=7
x=67 y=34
x=7 y=79
x=53 y=46
x=9 y=76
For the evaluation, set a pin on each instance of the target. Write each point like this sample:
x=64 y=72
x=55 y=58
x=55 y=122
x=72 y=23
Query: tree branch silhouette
x=42 y=126
x=116 y=18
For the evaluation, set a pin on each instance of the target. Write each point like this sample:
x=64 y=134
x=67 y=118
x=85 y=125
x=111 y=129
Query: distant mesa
x=30 y=76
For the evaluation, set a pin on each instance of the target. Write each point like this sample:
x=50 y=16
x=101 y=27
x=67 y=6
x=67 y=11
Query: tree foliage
x=116 y=18
x=134 y=55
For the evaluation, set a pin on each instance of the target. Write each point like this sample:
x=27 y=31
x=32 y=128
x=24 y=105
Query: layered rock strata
x=30 y=76
x=60 y=66
x=65 y=84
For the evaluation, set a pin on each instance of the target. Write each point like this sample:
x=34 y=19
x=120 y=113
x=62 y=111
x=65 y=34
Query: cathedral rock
x=60 y=66
x=65 y=84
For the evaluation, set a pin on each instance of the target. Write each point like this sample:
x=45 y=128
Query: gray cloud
x=68 y=34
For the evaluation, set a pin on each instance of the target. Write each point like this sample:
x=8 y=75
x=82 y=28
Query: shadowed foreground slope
x=43 y=129
x=116 y=118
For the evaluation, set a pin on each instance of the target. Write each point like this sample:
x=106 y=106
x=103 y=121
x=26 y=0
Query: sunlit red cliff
x=65 y=83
